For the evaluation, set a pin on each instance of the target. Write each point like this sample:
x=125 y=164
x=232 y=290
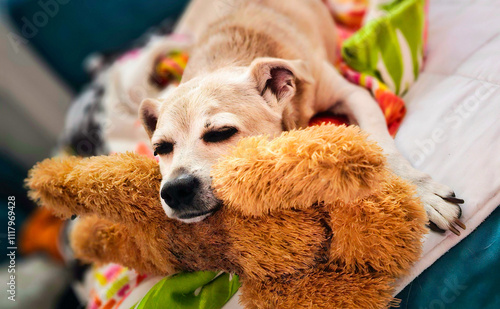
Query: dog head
x=194 y=125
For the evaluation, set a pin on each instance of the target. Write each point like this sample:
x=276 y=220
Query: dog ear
x=148 y=113
x=279 y=77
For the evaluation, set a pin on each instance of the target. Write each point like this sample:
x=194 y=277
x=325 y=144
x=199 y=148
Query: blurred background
x=43 y=48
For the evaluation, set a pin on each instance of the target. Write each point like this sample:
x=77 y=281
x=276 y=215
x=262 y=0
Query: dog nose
x=180 y=192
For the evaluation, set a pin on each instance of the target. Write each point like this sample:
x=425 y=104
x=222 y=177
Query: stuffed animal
x=311 y=219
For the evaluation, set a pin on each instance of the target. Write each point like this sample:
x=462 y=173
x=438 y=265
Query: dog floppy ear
x=148 y=113
x=277 y=79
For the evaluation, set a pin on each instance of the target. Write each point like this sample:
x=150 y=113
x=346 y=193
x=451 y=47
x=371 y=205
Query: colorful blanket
x=386 y=54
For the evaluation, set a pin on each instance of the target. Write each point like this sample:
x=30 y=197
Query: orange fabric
x=41 y=233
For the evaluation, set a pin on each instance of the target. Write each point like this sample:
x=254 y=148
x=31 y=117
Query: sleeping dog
x=261 y=67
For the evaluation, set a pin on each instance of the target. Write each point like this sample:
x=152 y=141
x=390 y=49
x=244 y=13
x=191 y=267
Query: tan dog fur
x=263 y=67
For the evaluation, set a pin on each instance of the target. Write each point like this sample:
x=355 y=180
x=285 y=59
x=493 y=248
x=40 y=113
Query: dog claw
x=435 y=228
x=455 y=200
x=460 y=224
x=454 y=230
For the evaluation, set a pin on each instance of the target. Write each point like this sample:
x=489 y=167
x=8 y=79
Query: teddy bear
x=310 y=219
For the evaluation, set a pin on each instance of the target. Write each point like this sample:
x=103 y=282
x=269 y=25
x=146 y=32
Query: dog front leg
x=361 y=109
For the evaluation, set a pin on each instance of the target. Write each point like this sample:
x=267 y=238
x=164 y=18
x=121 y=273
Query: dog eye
x=163 y=148
x=220 y=135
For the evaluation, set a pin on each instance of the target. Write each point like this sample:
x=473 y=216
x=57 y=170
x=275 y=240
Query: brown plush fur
x=312 y=219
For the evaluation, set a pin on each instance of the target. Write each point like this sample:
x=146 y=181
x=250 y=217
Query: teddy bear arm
x=299 y=169
x=121 y=188
x=382 y=232
x=45 y=183
x=100 y=241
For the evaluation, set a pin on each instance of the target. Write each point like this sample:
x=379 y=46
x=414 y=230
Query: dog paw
x=441 y=204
